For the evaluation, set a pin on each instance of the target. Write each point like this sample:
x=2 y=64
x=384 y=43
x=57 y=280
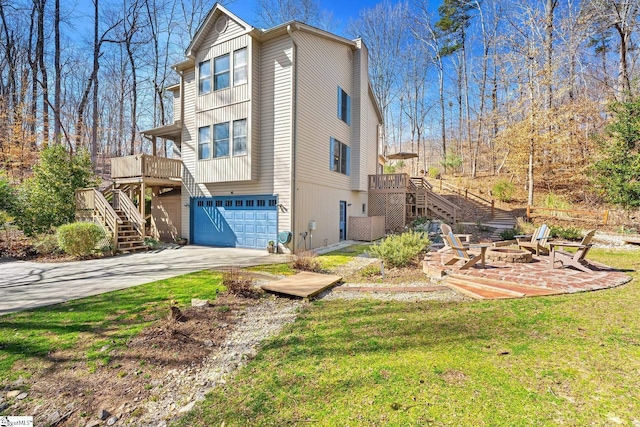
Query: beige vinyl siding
x=188 y=146
x=318 y=81
x=270 y=127
x=232 y=94
x=321 y=203
x=233 y=30
x=224 y=169
x=255 y=120
x=176 y=105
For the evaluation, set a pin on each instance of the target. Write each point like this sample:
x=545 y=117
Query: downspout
x=294 y=118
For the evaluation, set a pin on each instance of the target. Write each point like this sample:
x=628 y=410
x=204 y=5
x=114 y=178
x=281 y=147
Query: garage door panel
x=235 y=221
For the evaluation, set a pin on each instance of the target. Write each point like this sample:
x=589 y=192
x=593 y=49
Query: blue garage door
x=236 y=221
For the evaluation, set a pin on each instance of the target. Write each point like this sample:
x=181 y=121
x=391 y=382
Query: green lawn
x=562 y=360
x=86 y=325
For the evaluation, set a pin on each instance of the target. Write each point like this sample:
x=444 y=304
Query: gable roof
x=208 y=25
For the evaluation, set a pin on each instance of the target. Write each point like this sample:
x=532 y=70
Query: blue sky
x=342 y=10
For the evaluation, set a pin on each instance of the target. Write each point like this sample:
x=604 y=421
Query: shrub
x=7 y=194
x=566 y=233
x=434 y=172
x=503 y=190
x=509 y=233
x=79 y=238
x=240 y=285
x=306 y=261
x=555 y=201
x=47 y=244
x=399 y=250
x=47 y=200
x=151 y=243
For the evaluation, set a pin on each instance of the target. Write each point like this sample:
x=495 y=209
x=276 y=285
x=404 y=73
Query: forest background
x=544 y=91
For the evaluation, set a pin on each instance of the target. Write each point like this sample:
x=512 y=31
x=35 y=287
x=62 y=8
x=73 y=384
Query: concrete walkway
x=25 y=285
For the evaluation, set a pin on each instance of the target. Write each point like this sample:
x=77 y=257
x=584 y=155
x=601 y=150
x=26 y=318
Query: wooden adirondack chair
x=537 y=242
x=569 y=259
x=445 y=229
x=460 y=252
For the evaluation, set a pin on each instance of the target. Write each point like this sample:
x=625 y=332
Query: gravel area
x=180 y=390
x=443 y=296
x=602 y=240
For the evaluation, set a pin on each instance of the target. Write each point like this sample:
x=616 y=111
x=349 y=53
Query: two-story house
x=277 y=129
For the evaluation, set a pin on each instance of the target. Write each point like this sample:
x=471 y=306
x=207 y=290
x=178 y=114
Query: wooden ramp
x=305 y=285
x=632 y=240
x=482 y=288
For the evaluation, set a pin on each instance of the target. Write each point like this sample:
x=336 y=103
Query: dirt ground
x=66 y=391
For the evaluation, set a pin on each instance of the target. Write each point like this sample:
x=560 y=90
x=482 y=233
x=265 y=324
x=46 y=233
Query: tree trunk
x=56 y=100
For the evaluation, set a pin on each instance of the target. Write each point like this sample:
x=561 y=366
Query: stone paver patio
x=536 y=273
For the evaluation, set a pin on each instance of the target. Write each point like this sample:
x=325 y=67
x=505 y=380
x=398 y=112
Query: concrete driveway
x=26 y=285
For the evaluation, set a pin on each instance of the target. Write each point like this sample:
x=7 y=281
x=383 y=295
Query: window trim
x=344 y=103
x=227 y=71
x=208 y=142
x=206 y=77
x=245 y=66
x=233 y=137
x=215 y=142
x=344 y=157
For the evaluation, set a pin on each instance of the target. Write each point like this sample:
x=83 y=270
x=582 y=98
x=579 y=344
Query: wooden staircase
x=129 y=238
x=481 y=209
x=116 y=213
x=429 y=202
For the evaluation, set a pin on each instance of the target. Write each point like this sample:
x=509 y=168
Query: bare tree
x=381 y=28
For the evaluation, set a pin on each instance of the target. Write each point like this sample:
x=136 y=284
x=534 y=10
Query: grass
x=327 y=261
x=562 y=360
x=86 y=325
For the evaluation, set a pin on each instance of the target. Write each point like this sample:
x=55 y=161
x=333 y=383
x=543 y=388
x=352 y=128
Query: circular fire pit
x=509 y=255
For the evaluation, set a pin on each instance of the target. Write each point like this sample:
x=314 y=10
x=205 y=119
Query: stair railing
x=122 y=202
x=101 y=211
x=434 y=199
x=468 y=195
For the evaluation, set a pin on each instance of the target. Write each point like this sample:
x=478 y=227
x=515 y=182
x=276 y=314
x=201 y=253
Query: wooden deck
x=304 y=285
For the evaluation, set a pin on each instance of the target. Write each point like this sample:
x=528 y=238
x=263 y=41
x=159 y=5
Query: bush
x=503 y=190
x=47 y=244
x=399 y=250
x=555 y=201
x=306 y=261
x=8 y=197
x=151 y=243
x=509 y=233
x=79 y=238
x=434 y=172
x=47 y=200
x=239 y=285
x=566 y=233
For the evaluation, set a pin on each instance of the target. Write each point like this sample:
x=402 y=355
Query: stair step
x=526 y=290
x=479 y=291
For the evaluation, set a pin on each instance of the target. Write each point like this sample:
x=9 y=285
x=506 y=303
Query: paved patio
x=536 y=273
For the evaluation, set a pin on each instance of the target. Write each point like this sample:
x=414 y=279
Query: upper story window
x=239 y=137
x=221 y=72
x=339 y=157
x=221 y=140
x=204 y=82
x=344 y=106
x=204 y=141
x=240 y=66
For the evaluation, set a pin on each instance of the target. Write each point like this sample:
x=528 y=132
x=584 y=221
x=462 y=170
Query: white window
x=221 y=140
x=221 y=72
x=344 y=106
x=239 y=137
x=204 y=82
x=240 y=67
x=339 y=157
x=204 y=141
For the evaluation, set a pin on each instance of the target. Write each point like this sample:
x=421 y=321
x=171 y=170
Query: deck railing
x=392 y=181
x=144 y=165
